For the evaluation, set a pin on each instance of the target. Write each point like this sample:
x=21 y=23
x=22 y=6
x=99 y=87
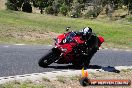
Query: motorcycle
x=73 y=47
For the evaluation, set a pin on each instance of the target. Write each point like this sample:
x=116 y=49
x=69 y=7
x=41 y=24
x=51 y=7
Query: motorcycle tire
x=47 y=59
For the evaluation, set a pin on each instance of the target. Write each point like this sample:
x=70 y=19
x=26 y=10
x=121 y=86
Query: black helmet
x=87 y=30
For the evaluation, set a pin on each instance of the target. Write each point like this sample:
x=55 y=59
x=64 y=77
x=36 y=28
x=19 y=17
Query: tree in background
x=26 y=7
x=41 y=4
x=17 y=5
x=14 y=4
x=93 y=8
x=56 y=7
x=64 y=9
x=128 y=3
x=77 y=8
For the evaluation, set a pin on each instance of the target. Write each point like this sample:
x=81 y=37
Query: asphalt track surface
x=19 y=60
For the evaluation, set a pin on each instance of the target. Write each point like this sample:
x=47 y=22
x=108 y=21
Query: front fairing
x=65 y=44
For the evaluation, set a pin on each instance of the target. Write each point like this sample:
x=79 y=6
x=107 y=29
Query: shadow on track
x=96 y=67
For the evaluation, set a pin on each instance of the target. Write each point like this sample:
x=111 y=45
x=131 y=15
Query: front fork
x=56 y=51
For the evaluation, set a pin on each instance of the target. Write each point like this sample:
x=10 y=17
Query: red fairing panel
x=101 y=40
x=77 y=38
x=68 y=53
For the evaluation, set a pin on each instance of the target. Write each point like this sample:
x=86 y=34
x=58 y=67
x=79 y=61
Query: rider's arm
x=79 y=33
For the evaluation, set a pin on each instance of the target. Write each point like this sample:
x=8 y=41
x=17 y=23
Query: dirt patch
x=2 y=4
x=32 y=35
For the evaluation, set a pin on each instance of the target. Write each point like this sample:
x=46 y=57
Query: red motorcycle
x=73 y=47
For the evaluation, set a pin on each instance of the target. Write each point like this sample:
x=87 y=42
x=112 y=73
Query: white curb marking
x=19 y=44
x=49 y=45
x=116 y=49
x=53 y=75
x=129 y=50
x=5 y=46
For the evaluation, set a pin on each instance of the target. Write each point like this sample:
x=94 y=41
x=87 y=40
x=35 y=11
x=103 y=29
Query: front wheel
x=48 y=59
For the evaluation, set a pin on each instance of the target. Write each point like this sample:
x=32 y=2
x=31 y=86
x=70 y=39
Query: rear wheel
x=49 y=58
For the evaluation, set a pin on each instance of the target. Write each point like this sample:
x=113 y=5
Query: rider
x=91 y=39
x=86 y=33
x=86 y=30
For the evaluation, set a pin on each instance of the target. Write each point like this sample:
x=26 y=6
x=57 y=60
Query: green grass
x=25 y=84
x=129 y=18
x=61 y=79
x=116 y=33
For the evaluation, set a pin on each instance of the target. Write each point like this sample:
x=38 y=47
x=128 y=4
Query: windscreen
x=69 y=38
